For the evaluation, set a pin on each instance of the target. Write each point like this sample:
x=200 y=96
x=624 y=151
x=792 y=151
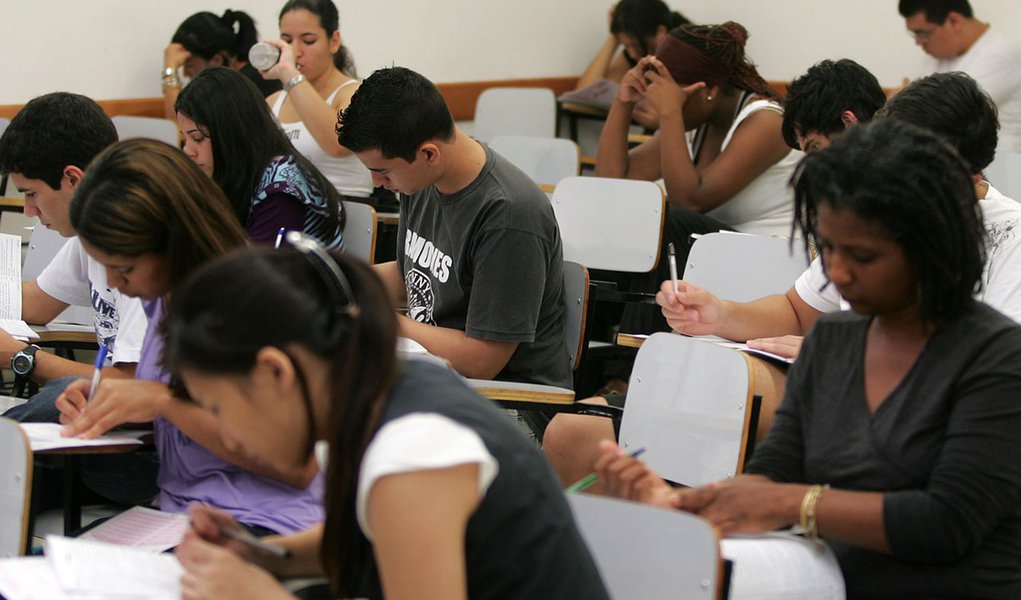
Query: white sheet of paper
x=96 y=568
x=33 y=578
x=142 y=528
x=46 y=436
x=18 y=328
x=782 y=566
x=10 y=277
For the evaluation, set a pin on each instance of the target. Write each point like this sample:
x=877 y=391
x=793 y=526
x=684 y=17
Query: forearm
x=50 y=366
x=612 y=158
x=319 y=117
x=600 y=64
x=771 y=316
x=170 y=95
x=474 y=358
x=202 y=427
x=304 y=559
x=682 y=179
x=393 y=281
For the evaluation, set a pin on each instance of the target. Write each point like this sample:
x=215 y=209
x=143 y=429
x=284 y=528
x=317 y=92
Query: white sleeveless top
x=346 y=173
x=766 y=205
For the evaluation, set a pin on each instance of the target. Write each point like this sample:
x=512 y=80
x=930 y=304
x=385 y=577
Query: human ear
x=273 y=367
x=848 y=118
x=430 y=152
x=73 y=175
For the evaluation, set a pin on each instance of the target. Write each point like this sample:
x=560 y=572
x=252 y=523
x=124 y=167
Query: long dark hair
x=245 y=138
x=330 y=21
x=917 y=190
x=142 y=196
x=206 y=35
x=726 y=45
x=294 y=303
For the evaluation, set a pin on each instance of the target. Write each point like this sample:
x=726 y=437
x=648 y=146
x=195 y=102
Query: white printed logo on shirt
x=421 y=299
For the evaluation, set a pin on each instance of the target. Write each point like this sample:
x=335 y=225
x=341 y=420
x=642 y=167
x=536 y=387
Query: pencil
x=590 y=479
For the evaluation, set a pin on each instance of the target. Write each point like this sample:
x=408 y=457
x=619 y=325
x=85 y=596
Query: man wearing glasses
x=948 y=31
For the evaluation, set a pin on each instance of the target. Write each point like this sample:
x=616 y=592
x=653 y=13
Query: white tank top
x=766 y=205
x=346 y=173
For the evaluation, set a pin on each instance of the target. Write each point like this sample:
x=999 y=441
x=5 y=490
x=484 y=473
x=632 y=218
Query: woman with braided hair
x=719 y=151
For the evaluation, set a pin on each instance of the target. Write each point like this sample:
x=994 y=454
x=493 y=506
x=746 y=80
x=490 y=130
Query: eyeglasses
x=333 y=276
x=922 y=35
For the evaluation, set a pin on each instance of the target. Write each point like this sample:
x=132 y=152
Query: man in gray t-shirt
x=479 y=256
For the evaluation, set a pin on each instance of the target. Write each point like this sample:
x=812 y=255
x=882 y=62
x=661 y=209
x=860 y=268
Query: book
x=599 y=95
x=782 y=566
x=90 y=567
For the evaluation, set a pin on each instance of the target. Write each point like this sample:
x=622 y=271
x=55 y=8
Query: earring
x=709 y=98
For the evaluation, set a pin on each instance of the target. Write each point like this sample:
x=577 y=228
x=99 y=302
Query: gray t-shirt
x=488 y=260
x=944 y=448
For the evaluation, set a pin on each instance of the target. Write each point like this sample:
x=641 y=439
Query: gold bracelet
x=808 y=504
x=293 y=82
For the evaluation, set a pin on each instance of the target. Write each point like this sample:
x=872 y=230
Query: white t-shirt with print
x=1001 y=281
x=75 y=278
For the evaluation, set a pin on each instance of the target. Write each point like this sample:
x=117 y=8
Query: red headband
x=689 y=65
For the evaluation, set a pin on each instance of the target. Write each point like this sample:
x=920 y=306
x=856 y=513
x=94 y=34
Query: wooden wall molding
x=461 y=97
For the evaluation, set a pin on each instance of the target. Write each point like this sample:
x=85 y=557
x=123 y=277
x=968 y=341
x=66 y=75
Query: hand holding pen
x=621 y=474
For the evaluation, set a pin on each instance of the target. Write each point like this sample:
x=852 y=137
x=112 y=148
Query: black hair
x=816 y=100
x=954 y=107
x=395 y=111
x=54 y=131
x=725 y=43
x=936 y=11
x=641 y=19
x=206 y=35
x=210 y=331
x=917 y=191
x=245 y=139
x=326 y=11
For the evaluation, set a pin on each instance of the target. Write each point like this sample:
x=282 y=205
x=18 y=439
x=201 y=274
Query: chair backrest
x=360 y=230
x=515 y=111
x=647 y=552
x=576 y=301
x=1005 y=173
x=610 y=224
x=42 y=247
x=145 y=127
x=15 y=489
x=689 y=405
x=742 y=267
x=546 y=160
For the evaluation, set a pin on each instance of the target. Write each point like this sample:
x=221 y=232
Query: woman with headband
x=431 y=491
x=719 y=150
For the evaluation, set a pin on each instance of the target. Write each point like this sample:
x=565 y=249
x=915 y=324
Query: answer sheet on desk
x=782 y=566
x=142 y=528
x=94 y=568
x=33 y=578
x=46 y=436
x=10 y=277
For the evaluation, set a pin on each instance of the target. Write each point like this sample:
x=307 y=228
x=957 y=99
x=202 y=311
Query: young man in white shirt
x=45 y=151
x=948 y=31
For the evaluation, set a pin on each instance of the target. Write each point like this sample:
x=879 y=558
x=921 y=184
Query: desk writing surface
x=46 y=438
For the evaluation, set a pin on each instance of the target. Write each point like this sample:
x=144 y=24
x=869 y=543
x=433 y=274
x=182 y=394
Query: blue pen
x=100 y=359
x=280 y=237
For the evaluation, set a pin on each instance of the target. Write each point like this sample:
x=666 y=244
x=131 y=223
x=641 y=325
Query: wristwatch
x=23 y=361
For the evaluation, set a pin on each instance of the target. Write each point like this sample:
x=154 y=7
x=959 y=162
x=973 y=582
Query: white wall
x=113 y=48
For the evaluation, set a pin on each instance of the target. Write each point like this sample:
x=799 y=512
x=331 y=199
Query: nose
x=31 y=210
x=377 y=179
x=837 y=269
x=189 y=147
x=114 y=279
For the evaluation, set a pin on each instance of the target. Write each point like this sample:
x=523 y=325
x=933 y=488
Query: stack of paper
x=10 y=289
x=87 y=570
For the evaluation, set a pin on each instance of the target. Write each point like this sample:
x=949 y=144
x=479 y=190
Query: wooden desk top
x=14 y=204
x=47 y=336
x=385 y=218
x=584 y=109
x=522 y=392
